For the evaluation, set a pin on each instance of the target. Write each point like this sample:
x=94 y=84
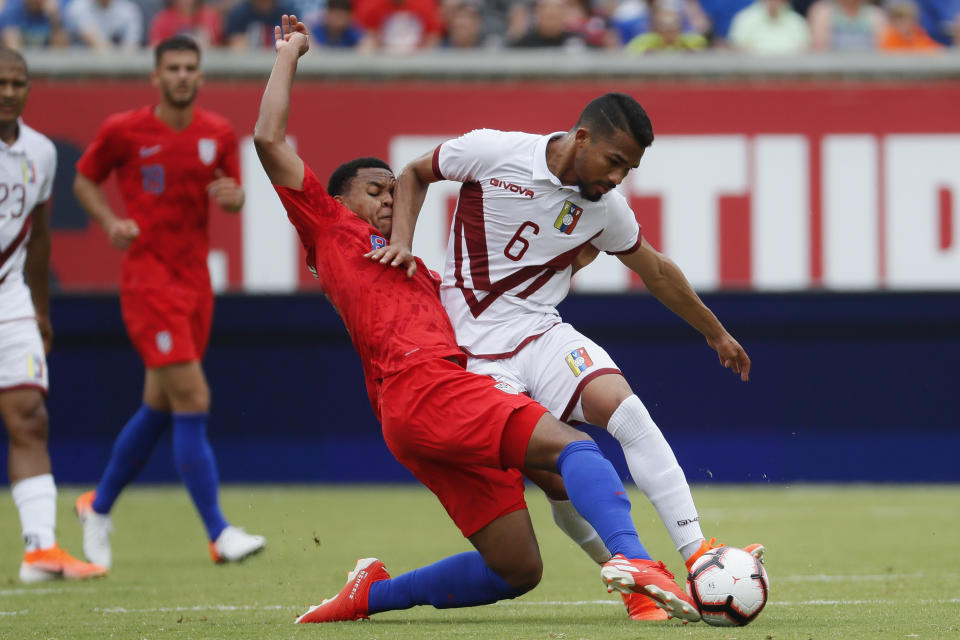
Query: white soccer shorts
x=22 y=362
x=553 y=369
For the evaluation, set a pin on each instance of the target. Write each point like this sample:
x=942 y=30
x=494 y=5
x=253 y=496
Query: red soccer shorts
x=457 y=433
x=167 y=326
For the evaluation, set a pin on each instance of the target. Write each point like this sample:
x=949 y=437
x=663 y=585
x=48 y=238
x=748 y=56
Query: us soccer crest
x=568 y=218
x=207 y=150
x=578 y=361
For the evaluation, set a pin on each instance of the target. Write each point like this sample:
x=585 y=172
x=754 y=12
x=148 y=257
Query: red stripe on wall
x=735 y=241
x=649 y=213
x=946 y=218
x=816 y=213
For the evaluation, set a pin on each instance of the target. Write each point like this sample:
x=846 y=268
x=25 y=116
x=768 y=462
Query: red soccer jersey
x=163 y=176
x=394 y=321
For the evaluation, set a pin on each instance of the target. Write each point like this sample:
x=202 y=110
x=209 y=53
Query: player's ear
x=582 y=136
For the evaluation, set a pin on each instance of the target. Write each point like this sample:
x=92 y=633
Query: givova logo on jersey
x=578 y=361
x=568 y=218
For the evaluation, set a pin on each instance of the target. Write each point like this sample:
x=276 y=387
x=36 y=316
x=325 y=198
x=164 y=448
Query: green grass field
x=846 y=562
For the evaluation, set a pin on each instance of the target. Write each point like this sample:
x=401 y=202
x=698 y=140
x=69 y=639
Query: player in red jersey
x=170 y=159
x=464 y=436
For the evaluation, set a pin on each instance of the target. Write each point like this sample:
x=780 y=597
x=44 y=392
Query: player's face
x=14 y=87
x=178 y=77
x=370 y=195
x=601 y=163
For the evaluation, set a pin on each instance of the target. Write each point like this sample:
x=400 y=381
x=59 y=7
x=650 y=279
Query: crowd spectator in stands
x=904 y=33
x=630 y=18
x=551 y=27
x=591 y=21
x=401 y=26
x=721 y=14
x=464 y=21
x=32 y=23
x=105 y=25
x=769 y=27
x=337 y=28
x=250 y=23
x=187 y=17
x=941 y=20
x=667 y=33
x=845 y=25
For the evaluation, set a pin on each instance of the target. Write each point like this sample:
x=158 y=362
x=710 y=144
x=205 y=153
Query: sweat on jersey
x=163 y=176
x=394 y=321
x=27 y=169
x=516 y=231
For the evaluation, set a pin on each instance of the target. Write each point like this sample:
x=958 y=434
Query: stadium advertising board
x=764 y=187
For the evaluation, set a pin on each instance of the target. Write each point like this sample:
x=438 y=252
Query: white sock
x=655 y=470
x=36 y=500
x=579 y=530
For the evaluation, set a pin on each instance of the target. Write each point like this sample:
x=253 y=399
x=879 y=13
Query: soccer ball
x=729 y=586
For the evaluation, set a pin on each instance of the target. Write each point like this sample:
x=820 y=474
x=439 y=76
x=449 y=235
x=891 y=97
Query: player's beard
x=592 y=196
x=180 y=102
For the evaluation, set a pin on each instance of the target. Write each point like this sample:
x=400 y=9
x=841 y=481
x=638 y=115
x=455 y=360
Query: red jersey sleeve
x=105 y=152
x=309 y=209
x=230 y=158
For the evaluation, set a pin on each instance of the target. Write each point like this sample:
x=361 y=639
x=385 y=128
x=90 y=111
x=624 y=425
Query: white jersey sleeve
x=472 y=156
x=621 y=233
x=47 y=156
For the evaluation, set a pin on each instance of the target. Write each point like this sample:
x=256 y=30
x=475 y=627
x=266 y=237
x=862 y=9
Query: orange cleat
x=642 y=607
x=756 y=550
x=652 y=579
x=53 y=563
x=351 y=603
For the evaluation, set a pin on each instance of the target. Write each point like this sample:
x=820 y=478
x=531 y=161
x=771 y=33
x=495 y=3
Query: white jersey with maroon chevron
x=515 y=233
x=26 y=179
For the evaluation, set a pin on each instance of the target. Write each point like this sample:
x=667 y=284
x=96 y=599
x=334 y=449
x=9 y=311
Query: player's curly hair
x=346 y=172
x=179 y=42
x=617 y=112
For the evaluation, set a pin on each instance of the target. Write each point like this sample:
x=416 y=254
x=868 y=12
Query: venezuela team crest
x=568 y=218
x=578 y=361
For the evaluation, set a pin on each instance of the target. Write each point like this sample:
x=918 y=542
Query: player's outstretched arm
x=664 y=279
x=36 y=270
x=282 y=164
x=412 y=184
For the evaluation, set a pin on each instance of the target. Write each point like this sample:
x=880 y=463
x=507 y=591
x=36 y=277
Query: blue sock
x=598 y=494
x=131 y=450
x=463 y=580
x=198 y=468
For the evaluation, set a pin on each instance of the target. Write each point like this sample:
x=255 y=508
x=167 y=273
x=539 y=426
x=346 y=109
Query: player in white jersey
x=27 y=163
x=531 y=206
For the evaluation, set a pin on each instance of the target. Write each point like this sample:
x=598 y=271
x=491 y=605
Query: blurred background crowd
x=404 y=26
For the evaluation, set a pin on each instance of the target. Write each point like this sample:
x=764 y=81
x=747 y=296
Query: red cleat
x=652 y=579
x=351 y=603
x=642 y=607
x=756 y=550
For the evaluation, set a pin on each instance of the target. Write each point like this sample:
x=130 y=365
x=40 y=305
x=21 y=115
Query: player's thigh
x=24 y=413
x=185 y=386
x=559 y=365
x=502 y=371
x=22 y=361
x=437 y=411
x=473 y=496
x=161 y=325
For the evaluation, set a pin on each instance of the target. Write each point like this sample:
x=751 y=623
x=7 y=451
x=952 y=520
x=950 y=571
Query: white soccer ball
x=729 y=586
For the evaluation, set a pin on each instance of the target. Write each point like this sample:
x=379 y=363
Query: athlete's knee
x=192 y=399
x=524 y=574
x=603 y=396
x=27 y=422
x=549 y=439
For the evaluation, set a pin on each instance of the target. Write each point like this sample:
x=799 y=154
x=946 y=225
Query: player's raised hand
x=226 y=191
x=732 y=356
x=291 y=34
x=396 y=256
x=122 y=232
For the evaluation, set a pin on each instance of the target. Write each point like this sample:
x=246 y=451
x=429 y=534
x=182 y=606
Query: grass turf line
x=845 y=562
